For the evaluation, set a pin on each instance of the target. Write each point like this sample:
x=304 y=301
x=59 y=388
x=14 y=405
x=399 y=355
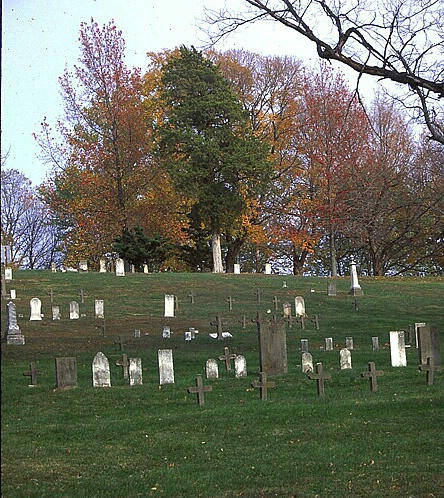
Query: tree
x=205 y=141
x=397 y=40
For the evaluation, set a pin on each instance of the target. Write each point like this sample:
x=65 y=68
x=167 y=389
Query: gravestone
x=320 y=377
x=53 y=268
x=120 y=342
x=355 y=288
x=5 y=294
x=287 y=309
x=267 y=269
x=74 y=311
x=33 y=373
x=430 y=367
x=102 y=267
x=8 y=274
x=83 y=265
x=135 y=371
x=417 y=326
x=236 y=269
x=349 y=343
x=263 y=384
x=219 y=323
x=166 y=332
x=13 y=294
x=328 y=344
x=428 y=345
x=230 y=302
x=13 y=335
x=56 y=313
x=211 y=369
x=227 y=357
x=123 y=362
x=299 y=305
x=200 y=390
x=240 y=366
x=304 y=345
x=137 y=333
x=100 y=371
x=331 y=288
x=315 y=321
x=166 y=367
x=397 y=349
x=66 y=372
x=99 y=308
x=345 y=359
x=187 y=336
x=372 y=375
x=36 y=309
x=145 y=269
x=375 y=343
x=307 y=362
x=169 y=306
x=272 y=338
x=120 y=267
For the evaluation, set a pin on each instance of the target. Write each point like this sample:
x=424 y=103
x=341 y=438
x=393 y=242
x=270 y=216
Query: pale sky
x=40 y=39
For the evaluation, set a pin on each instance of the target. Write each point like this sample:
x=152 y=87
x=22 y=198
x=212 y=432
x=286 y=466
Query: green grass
x=148 y=441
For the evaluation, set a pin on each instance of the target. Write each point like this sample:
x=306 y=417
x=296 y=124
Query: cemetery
x=221 y=385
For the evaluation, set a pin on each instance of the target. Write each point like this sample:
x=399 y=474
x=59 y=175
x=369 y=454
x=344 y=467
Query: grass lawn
x=157 y=441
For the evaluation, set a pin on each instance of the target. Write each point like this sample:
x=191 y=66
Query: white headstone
x=166 y=367
x=135 y=371
x=166 y=332
x=345 y=359
x=240 y=366
x=237 y=269
x=13 y=294
x=99 y=308
x=349 y=343
x=287 y=309
x=328 y=344
x=102 y=263
x=417 y=326
x=397 y=349
x=74 y=312
x=83 y=265
x=120 y=267
x=187 y=335
x=299 y=305
x=100 y=371
x=169 y=305
x=355 y=288
x=212 y=369
x=307 y=362
x=267 y=269
x=53 y=268
x=56 y=312
x=36 y=309
x=8 y=274
x=145 y=268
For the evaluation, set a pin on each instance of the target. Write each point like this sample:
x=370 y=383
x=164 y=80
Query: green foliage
x=137 y=248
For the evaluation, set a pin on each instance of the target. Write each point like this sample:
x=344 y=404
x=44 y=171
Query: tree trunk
x=217 y=253
x=234 y=247
x=333 y=260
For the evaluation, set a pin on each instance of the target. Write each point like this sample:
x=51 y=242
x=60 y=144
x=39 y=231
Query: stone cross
x=230 y=302
x=191 y=295
x=372 y=375
x=301 y=320
x=289 y=319
x=315 y=321
x=275 y=302
x=51 y=295
x=218 y=324
x=227 y=357
x=243 y=321
x=430 y=368
x=33 y=374
x=200 y=389
x=176 y=303
x=120 y=342
x=258 y=295
x=124 y=364
x=263 y=385
x=320 y=377
x=82 y=296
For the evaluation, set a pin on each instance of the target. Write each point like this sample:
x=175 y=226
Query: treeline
x=210 y=159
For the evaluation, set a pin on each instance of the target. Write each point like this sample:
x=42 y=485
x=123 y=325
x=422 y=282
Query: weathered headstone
x=287 y=309
x=33 y=373
x=211 y=369
x=397 y=349
x=120 y=267
x=299 y=305
x=137 y=333
x=166 y=332
x=267 y=269
x=36 y=309
x=328 y=344
x=349 y=343
x=307 y=362
x=345 y=359
x=66 y=372
x=5 y=294
x=355 y=288
x=237 y=269
x=53 y=268
x=304 y=345
x=263 y=384
x=372 y=375
x=430 y=368
x=240 y=366
x=417 y=326
x=100 y=371
x=169 y=306
x=99 y=308
x=331 y=288
x=320 y=377
x=102 y=267
x=56 y=312
x=272 y=338
x=123 y=362
x=8 y=274
x=428 y=345
x=13 y=294
x=375 y=343
x=74 y=311
x=13 y=334
x=145 y=269
x=135 y=371
x=83 y=265
x=200 y=390
x=227 y=357
x=166 y=367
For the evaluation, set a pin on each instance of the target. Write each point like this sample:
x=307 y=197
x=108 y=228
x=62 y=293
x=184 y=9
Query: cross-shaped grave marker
x=430 y=368
x=124 y=363
x=243 y=321
x=301 y=321
x=176 y=303
x=51 y=295
x=320 y=377
x=230 y=302
x=227 y=357
x=120 y=342
x=263 y=385
x=258 y=296
x=315 y=321
x=200 y=389
x=372 y=374
x=290 y=320
x=191 y=295
x=33 y=374
x=218 y=324
x=82 y=296
x=275 y=302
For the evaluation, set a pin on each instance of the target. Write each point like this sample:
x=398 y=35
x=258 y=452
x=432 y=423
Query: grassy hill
x=157 y=441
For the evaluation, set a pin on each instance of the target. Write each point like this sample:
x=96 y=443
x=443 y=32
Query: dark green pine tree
x=207 y=145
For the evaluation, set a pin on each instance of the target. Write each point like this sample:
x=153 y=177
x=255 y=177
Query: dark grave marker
x=230 y=302
x=191 y=295
x=123 y=362
x=176 y=303
x=372 y=375
x=120 y=342
x=430 y=368
x=275 y=302
x=33 y=373
x=272 y=338
x=428 y=344
x=243 y=321
x=301 y=320
x=227 y=357
x=263 y=384
x=258 y=295
x=315 y=321
x=320 y=376
x=200 y=389
x=219 y=323
x=51 y=295
x=82 y=296
x=66 y=372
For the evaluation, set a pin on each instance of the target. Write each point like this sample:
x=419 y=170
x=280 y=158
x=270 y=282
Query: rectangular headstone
x=102 y=264
x=304 y=345
x=36 y=309
x=417 y=326
x=267 y=269
x=328 y=344
x=135 y=371
x=66 y=372
x=397 y=349
x=74 y=311
x=272 y=347
x=307 y=362
x=299 y=305
x=428 y=345
x=240 y=366
x=375 y=343
x=56 y=312
x=212 y=369
x=169 y=305
x=166 y=367
x=120 y=267
x=331 y=288
x=345 y=359
x=100 y=370
x=349 y=343
x=8 y=274
x=166 y=332
x=99 y=308
x=237 y=269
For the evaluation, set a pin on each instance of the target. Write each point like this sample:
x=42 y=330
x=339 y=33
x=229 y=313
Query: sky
x=40 y=39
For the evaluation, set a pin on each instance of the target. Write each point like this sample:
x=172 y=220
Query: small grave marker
x=301 y=320
x=82 y=296
x=33 y=373
x=345 y=359
x=428 y=344
x=263 y=384
x=169 y=306
x=349 y=343
x=135 y=371
x=299 y=305
x=375 y=343
x=219 y=324
x=120 y=267
x=166 y=366
x=100 y=370
x=430 y=368
x=230 y=302
x=74 y=312
x=120 y=342
x=211 y=369
x=200 y=390
x=99 y=308
x=66 y=372
x=372 y=375
x=240 y=366
x=328 y=344
x=36 y=309
x=320 y=377
x=243 y=321
x=275 y=302
x=258 y=295
x=331 y=289
x=123 y=362
x=191 y=295
x=227 y=357
x=55 y=312
x=397 y=349
x=315 y=321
